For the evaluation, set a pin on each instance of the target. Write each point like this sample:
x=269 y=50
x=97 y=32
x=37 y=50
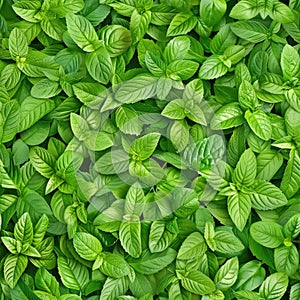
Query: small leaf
x=267 y=234
x=87 y=246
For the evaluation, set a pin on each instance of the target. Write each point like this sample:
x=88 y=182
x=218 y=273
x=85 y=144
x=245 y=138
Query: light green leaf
x=114 y=265
x=179 y=135
x=292 y=227
x=193 y=246
x=9 y=119
x=227 y=274
x=117 y=39
x=87 y=246
x=286 y=259
x=227 y=243
x=42 y=161
x=290 y=183
x=260 y=124
x=130 y=236
x=212 y=68
x=274 y=287
x=245 y=170
x=143 y=147
x=73 y=275
x=267 y=234
x=266 y=196
x=32 y=110
x=197 y=283
x=268 y=163
x=212 y=11
x=23 y=231
x=99 y=65
x=82 y=32
x=228 y=116
x=136 y=89
x=17 y=44
x=14 y=266
x=150 y=263
x=290 y=62
x=239 y=208
x=182 y=23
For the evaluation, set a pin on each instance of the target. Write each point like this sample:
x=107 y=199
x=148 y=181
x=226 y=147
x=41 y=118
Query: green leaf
x=250 y=276
x=251 y=31
x=45 y=89
x=11 y=244
x=247 y=95
x=245 y=9
x=292 y=227
x=73 y=275
x=295 y=292
x=260 y=124
x=247 y=295
x=117 y=39
x=150 y=263
x=114 y=265
x=10 y=76
x=42 y=161
x=290 y=183
x=139 y=24
x=245 y=171
x=268 y=163
x=184 y=69
x=286 y=259
x=40 y=230
x=114 y=162
x=160 y=236
x=27 y=9
x=179 y=135
x=82 y=32
x=239 y=208
x=45 y=281
x=274 y=287
x=282 y=13
x=174 y=109
x=23 y=231
x=130 y=236
x=177 y=48
x=136 y=89
x=227 y=243
x=127 y=120
x=266 y=196
x=32 y=110
x=87 y=246
x=267 y=234
x=212 y=68
x=228 y=116
x=211 y=12
x=197 y=283
x=227 y=274
x=99 y=65
x=193 y=246
x=14 y=266
x=143 y=147
x=55 y=28
x=114 y=287
x=33 y=203
x=17 y=44
x=182 y=23
x=9 y=119
x=289 y=62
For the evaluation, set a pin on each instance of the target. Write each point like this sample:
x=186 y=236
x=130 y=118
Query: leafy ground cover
x=149 y=149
